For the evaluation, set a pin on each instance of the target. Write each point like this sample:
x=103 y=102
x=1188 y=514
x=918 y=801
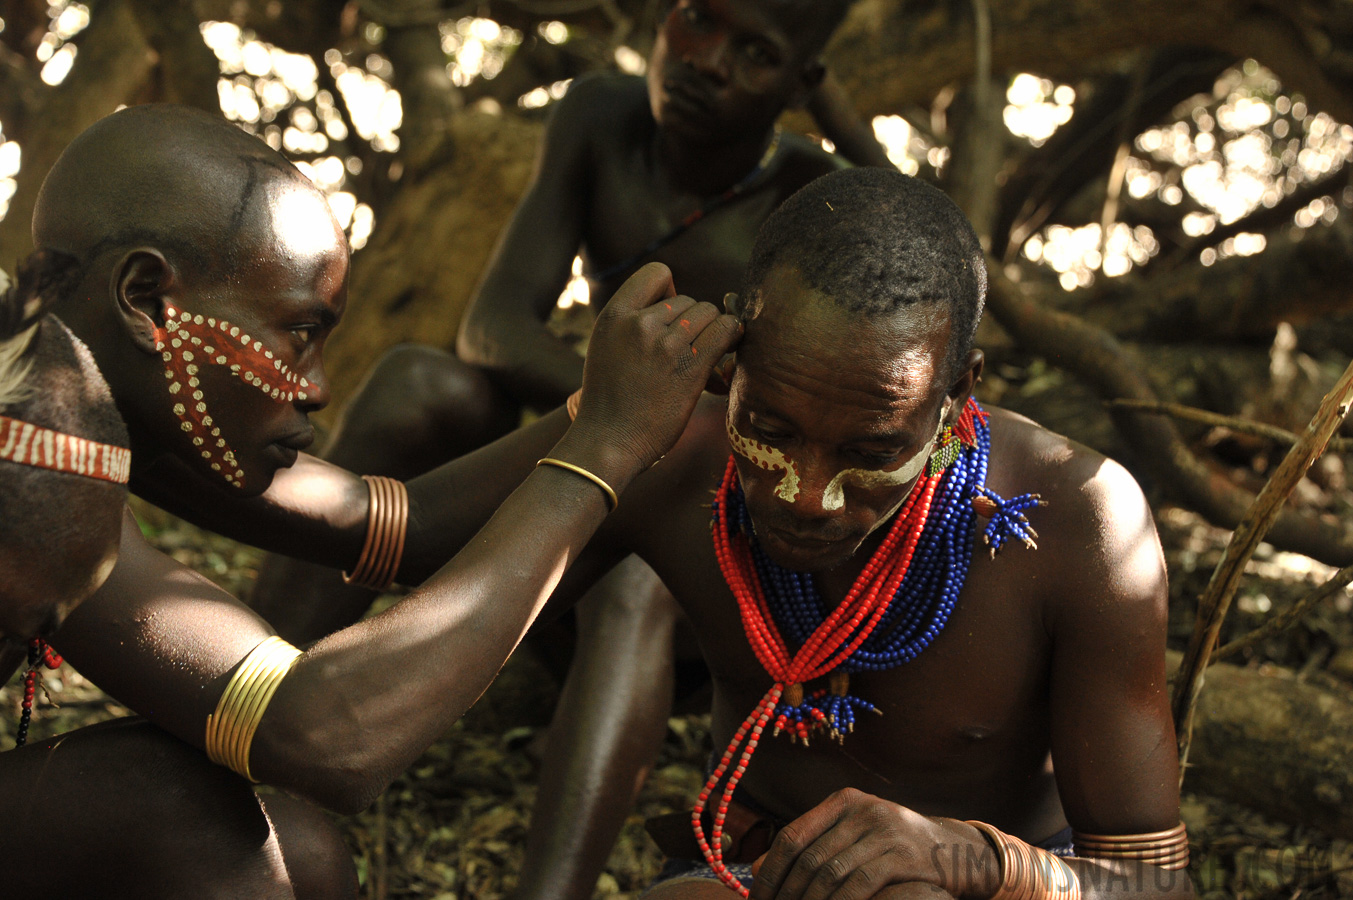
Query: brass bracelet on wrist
x=1168 y=849
x=1027 y=872
x=231 y=728
x=386 y=524
x=611 y=499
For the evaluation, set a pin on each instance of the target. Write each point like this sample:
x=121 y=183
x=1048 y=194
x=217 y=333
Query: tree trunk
x=412 y=282
x=1269 y=741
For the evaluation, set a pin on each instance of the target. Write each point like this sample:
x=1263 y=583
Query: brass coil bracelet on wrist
x=230 y=729
x=386 y=524
x=1029 y=873
x=1168 y=849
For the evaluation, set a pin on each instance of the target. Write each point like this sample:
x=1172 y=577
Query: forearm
x=523 y=358
x=363 y=703
x=314 y=510
x=853 y=138
x=449 y=505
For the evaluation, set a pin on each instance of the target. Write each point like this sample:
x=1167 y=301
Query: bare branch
x=1288 y=617
x=1254 y=525
x=1217 y=420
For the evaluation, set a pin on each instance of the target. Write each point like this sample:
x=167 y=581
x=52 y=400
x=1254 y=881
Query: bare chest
x=628 y=213
x=970 y=711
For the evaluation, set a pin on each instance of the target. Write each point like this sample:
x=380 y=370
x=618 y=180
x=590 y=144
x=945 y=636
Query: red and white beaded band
x=32 y=445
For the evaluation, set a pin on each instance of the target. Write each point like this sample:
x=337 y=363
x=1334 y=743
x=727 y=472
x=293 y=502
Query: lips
x=685 y=98
x=287 y=449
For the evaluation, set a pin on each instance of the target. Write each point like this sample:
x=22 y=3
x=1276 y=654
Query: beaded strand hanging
x=898 y=604
x=40 y=655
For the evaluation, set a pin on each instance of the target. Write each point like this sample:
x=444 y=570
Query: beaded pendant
x=897 y=606
x=40 y=654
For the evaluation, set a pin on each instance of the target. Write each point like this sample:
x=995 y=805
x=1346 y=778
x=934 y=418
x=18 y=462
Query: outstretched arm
x=852 y=136
x=361 y=704
x=503 y=330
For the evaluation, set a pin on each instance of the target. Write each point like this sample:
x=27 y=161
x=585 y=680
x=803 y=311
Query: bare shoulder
x=600 y=98
x=1096 y=532
x=803 y=160
x=1025 y=456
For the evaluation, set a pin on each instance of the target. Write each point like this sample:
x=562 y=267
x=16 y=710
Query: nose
x=815 y=473
x=313 y=394
x=710 y=57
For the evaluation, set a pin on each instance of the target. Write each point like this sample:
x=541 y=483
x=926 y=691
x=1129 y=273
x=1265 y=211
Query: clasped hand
x=852 y=846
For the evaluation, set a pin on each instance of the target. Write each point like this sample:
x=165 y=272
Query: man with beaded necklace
x=862 y=498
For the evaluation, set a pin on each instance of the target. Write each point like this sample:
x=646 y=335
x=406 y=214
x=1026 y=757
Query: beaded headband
x=32 y=445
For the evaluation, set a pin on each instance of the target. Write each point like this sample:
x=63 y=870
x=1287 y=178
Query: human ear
x=141 y=284
x=963 y=385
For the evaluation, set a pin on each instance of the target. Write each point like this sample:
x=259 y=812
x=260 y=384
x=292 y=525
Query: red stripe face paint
x=188 y=342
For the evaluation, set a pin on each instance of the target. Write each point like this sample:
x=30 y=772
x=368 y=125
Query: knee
x=317 y=859
x=427 y=393
x=631 y=592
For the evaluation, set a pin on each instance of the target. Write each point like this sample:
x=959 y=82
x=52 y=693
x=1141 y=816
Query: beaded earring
x=189 y=341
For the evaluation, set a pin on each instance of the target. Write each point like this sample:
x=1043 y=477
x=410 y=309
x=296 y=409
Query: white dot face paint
x=768 y=458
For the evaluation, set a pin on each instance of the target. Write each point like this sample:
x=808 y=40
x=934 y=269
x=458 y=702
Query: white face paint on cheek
x=834 y=497
x=767 y=458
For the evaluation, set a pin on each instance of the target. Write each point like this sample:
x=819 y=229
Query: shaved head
x=169 y=177
x=170 y=213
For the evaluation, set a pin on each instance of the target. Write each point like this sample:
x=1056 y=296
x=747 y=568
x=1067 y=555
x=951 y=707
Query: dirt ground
x=453 y=826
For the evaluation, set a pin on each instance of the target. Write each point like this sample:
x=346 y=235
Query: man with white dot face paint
x=206 y=274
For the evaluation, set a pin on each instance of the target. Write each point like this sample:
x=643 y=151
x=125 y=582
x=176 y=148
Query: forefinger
x=650 y=284
x=789 y=845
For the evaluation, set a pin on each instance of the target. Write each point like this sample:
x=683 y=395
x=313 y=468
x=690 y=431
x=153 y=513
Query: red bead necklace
x=848 y=625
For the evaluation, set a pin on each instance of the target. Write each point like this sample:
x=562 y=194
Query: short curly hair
x=876 y=241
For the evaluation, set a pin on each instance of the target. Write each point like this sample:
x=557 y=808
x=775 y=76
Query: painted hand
x=651 y=355
x=851 y=846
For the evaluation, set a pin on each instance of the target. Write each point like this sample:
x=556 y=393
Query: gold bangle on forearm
x=1029 y=873
x=230 y=729
x=386 y=525
x=1168 y=849
x=612 y=500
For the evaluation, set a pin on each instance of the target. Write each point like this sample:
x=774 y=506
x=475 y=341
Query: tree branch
x=1258 y=519
x=1107 y=366
x=1288 y=617
x=1234 y=423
